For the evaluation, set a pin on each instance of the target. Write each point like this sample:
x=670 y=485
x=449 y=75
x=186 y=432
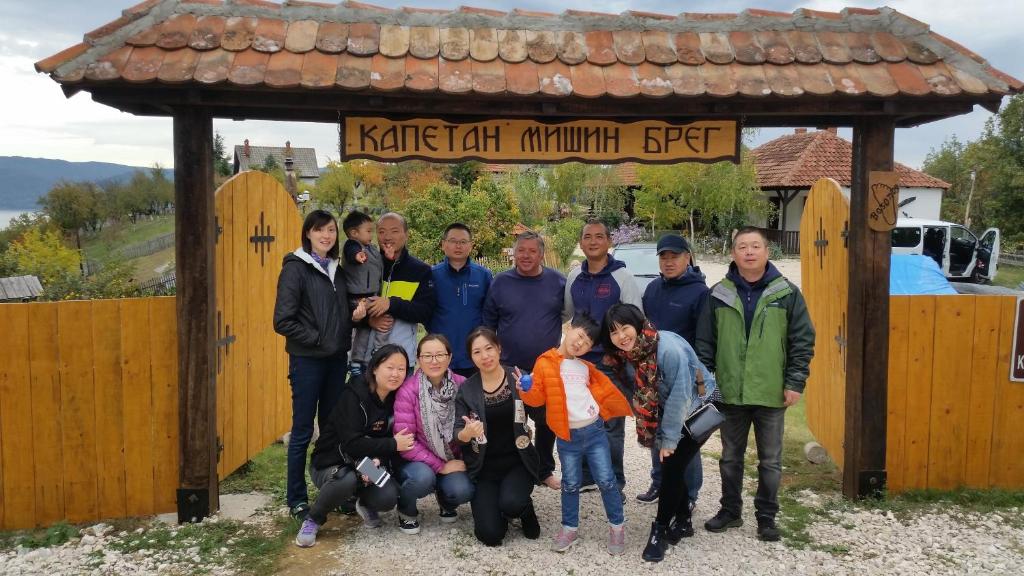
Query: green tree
x=334 y=190
x=563 y=237
x=1000 y=153
x=464 y=174
x=44 y=255
x=951 y=163
x=493 y=232
x=534 y=199
x=73 y=206
x=222 y=164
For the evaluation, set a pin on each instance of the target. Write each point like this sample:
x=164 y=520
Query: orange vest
x=549 y=389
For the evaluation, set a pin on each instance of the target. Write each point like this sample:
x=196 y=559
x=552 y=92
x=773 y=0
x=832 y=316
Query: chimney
x=800 y=131
x=290 y=180
x=245 y=151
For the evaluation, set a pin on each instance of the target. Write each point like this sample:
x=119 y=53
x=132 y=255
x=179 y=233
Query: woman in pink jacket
x=425 y=407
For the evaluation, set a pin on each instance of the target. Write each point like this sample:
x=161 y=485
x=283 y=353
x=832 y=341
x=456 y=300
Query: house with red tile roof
x=788 y=166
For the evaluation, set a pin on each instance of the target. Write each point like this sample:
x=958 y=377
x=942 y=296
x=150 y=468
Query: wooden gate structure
x=874 y=70
x=951 y=412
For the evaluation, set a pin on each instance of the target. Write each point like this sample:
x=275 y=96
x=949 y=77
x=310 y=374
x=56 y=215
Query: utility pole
x=970 y=195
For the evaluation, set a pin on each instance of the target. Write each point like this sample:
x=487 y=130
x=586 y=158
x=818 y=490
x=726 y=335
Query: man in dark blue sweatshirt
x=524 y=306
x=673 y=303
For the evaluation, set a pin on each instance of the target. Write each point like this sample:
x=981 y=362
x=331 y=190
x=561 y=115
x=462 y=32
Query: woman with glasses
x=425 y=407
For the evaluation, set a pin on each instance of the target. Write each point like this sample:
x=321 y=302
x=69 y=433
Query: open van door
x=987 y=256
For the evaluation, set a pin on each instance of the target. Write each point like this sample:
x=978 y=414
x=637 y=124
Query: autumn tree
x=335 y=187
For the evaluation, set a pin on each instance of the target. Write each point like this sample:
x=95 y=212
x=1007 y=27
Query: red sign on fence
x=1017 y=354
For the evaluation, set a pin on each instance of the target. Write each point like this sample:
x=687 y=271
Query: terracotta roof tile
x=688 y=48
x=512 y=45
x=176 y=31
x=143 y=64
x=455 y=76
x=355 y=46
x=454 y=43
x=600 y=47
x=488 y=76
x=587 y=80
x=555 y=78
x=483 y=44
x=629 y=46
x=572 y=47
x=353 y=71
x=394 y=40
x=776 y=47
x=626 y=173
x=332 y=37
x=319 y=70
x=248 y=68
x=716 y=47
x=747 y=50
x=301 y=37
x=799 y=160
x=424 y=42
x=421 y=74
x=686 y=80
x=658 y=47
x=207 y=33
x=522 y=78
x=110 y=66
x=213 y=66
x=363 y=38
x=238 y=33
x=179 y=66
x=540 y=46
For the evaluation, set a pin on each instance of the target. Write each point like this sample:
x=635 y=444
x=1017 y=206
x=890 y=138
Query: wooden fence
x=88 y=410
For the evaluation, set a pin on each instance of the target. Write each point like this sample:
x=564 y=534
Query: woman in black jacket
x=490 y=421
x=311 y=312
x=359 y=427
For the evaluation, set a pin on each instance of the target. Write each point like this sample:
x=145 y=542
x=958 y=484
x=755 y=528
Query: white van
x=959 y=253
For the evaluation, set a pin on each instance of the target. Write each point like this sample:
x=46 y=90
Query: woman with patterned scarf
x=425 y=407
x=670 y=383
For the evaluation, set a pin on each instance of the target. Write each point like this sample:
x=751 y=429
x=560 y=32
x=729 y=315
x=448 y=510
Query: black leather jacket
x=311 y=311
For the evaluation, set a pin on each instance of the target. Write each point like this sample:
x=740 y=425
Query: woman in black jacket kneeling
x=359 y=427
x=490 y=420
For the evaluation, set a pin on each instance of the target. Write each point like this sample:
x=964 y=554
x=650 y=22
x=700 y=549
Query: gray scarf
x=437 y=410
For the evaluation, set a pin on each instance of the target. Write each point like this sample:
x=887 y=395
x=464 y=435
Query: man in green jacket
x=756 y=335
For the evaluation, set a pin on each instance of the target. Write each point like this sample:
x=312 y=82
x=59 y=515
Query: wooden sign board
x=530 y=141
x=1017 y=353
x=883 y=200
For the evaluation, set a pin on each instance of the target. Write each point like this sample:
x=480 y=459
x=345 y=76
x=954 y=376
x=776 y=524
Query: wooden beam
x=867 y=320
x=196 y=307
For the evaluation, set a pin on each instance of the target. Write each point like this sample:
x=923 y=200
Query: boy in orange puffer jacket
x=579 y=399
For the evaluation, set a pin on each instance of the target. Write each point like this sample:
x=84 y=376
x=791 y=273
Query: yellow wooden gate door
x=257 y=224
x=824 y=258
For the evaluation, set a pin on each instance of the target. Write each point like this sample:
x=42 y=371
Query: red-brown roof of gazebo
x=354 y=46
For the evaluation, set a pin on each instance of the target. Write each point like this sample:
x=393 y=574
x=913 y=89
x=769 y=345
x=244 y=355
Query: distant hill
x=24 y=180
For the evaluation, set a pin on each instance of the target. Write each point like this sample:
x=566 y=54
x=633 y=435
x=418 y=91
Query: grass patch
x=266 y=472
x=1008 y=503
x=1009 y=276
x=55 y=535
x=117 y=235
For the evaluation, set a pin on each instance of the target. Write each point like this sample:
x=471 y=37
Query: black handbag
x=703 y=421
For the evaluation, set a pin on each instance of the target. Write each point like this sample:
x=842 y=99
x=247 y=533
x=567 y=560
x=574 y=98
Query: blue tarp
x=911 y=274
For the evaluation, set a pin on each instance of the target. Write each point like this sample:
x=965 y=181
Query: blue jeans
x=589 y=444
x=316 y=388
x=419 y=480
x=693 y=475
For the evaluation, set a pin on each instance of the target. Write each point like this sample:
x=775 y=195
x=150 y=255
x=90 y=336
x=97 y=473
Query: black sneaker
x=678 y=530
x=347 y=508
x=530 y=524
x=767 y=531
x=300 y=511
x=722 y=522
x=408 y=524
x=651 y=496
x=654 y=551
x=448 y=516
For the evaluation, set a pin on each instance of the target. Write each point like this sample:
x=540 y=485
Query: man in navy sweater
x=673 y=303
x=460 y=286
x=524 y=306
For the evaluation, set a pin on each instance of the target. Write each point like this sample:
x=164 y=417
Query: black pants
x=674 y=500
x=768 y=424
x=338 y=484
x=497 y=500
x=544 y=440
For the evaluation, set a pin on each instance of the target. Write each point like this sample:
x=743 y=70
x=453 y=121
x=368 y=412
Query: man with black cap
x=672 y=302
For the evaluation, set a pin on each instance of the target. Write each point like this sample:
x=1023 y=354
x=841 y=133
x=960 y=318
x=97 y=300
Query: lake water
x=6 y=215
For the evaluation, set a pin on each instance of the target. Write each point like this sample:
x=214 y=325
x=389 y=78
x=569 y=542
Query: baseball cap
x=673 y=243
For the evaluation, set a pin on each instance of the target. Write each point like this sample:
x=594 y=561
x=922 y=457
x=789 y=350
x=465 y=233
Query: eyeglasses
x=459 y=243
x=434 y=357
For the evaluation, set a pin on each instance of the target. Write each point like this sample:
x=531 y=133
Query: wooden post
x=867 y=362
x=196 y=306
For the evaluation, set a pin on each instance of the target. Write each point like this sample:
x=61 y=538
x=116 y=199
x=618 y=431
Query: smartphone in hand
x=378 y=476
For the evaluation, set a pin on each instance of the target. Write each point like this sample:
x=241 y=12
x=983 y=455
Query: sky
x=36 y=120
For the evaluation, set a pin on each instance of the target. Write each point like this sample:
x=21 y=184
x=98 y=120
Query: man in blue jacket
x=460 y=286
x=672 y=303
x=593 y=288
